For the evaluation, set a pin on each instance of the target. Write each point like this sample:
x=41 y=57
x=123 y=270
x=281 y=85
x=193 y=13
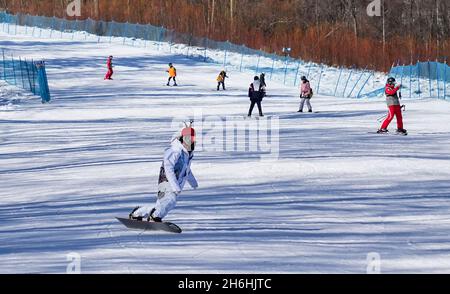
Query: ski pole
x=384 y=117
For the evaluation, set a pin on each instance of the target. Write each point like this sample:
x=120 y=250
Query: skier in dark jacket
x=255 y=92
x=395 y=109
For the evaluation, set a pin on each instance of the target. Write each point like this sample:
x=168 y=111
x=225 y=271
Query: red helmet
x=188 y=138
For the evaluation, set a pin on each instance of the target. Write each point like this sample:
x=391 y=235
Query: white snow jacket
x=176 y=168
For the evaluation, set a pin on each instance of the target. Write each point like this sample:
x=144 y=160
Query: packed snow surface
x=327 y=197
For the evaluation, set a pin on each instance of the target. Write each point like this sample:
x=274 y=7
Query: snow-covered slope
x=334 y=194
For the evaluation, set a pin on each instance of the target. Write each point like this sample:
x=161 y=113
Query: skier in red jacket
x=110 y=72
x=395 y=109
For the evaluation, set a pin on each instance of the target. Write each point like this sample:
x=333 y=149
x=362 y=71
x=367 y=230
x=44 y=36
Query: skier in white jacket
x=175 y=172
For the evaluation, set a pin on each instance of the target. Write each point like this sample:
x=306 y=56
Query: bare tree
x=331 y=31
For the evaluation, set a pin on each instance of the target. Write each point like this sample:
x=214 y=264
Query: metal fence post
x=403 y=72
x=32 y=25
x=365 y=83
x=346 y=84
x=28 y=23
x=4 y=64
x=28 y=76
x=159 y=38
x=296 y=74
x=205 y=56
x=14 y=70
x=147 y=36
x=74 y=27
x=52 y=27
x=133 y=36
x=356 y=84
x=320 y=78
x=21 y=73
x=110 y=31
x=125 y=31
x=309 y=69
x=445 y=79
x=273 y=66
x=410 y=80
x=43 y=83
x=33 y=71
x=418 y=79
x=63 y=27
x=429 y=77
x=97 y=31
x=86 y=29
x=437 y=79
x=338 y=81
x=285 y=71
x=257 y=64
x=170 y=43
x=16 y=23
x=225 y=57
x=242 y=59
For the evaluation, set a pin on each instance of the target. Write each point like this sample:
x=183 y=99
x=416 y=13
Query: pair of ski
x=389 y=133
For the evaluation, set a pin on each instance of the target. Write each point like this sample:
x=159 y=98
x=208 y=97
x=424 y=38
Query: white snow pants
x=167 y=200
x=308 y=103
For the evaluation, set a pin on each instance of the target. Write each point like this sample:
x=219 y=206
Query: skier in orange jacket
x=172 y=74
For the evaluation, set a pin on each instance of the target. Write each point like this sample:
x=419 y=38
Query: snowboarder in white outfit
x=175 y=172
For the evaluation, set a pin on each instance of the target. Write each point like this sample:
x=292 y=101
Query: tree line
x=335 y=32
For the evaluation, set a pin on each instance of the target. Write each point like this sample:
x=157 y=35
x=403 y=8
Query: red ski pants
x=109 y=74
x=394 y=110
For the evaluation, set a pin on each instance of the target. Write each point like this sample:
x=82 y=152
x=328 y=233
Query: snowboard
x=149 y=226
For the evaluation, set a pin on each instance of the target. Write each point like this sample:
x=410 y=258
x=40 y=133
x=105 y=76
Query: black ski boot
x=402 y=132
x=131 y=216
x=154 y=219
x=382 y=131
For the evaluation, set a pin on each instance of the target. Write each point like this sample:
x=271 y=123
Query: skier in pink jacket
x=306 y=94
